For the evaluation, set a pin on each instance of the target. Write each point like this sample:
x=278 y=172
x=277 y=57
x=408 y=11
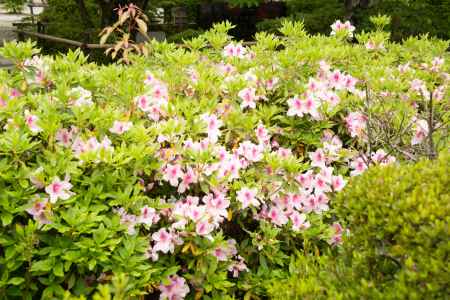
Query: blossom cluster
x=345 y=27
x=322 y=93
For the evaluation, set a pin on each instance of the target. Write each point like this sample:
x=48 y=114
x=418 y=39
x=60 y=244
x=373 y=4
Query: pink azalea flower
x=296 y=107
x=230 y=167
x=305 y=180
x=327 y=174
x=284 y=152
x=337 y=234
x=250 y=151
x=358 y=165
x=346 y=27
x=160 y=93
x=164 y=241
x=106 y=144
x=155 y=113
x=120 y=127
x=148 y=216
x=82 y=97
x=318 y=158
x=220 y=253
x=143 y=102
x=151 y=254
x=332 y=99
x=420 y=87
x=371 y=45
x=324 y=70
x=31 y=121
x=356 y=124
x=350 y=83
x=204 y=228
x=64 y=137
x=172 y=173
x=338 y=183
x=438 y=93
x=177 y=289
x=187 y=179
x=336 y=79
x=404 y=68
x=321 y=184
x=311 y=106
x=333 y=142
x=382 y=158
x=247 y=197
x=299 y=221
x=248 y=96
x=224 y=252
x=213 y=125
x=238 y=266
x=297 y=200
x=314 y=86
x=217 y=206
x=196 y=213
x=92 y=144
x=15 y=93
x=128 y=220
x=277 y=216
x=436 y=64
x=226 y=69
x=40 y=211
x=59 y=189
x=420 y=131
x=262 y=134
x=234 y=50
x=272 y=83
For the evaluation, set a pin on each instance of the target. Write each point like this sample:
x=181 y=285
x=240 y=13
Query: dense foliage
x=200 y=171
x=399 y=220
x=397 y=248
x=14 y=6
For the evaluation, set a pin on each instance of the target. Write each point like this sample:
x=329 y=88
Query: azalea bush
x=198 y=172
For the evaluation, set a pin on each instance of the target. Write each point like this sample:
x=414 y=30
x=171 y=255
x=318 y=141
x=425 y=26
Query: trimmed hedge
x=397 y=247
x=399 y=228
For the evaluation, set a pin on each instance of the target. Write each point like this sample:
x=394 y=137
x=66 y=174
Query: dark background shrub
x=408 y=17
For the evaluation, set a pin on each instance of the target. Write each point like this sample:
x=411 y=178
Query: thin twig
x=431 y=148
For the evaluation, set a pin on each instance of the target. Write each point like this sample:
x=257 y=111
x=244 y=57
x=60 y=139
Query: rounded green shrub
x=398 y=219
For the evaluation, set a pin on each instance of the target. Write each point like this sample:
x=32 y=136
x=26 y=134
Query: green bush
x=397 y=247
x=187 y=34
x=14 y=6
x=310 y=277
x=399 y=235
x=62 y=19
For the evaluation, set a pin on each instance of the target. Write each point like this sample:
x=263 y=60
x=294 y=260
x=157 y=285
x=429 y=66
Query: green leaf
x=42 y=266
x=16 y=280
x=58 y=269
x=6 y=218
